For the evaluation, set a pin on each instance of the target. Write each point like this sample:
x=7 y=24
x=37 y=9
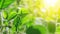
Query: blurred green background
x=29 y=16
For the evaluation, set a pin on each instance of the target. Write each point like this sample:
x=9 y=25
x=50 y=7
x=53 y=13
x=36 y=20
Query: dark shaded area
x=32 y=30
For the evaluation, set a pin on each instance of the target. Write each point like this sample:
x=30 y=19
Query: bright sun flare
x=50 y=2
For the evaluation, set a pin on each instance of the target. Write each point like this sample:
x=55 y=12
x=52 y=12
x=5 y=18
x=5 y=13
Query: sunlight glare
x=48 y=3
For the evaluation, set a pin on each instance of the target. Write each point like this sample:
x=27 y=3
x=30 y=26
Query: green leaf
x=13 y=29
x=5 y=14
x=17 y=21
x=23 y=15
x=30 y=23
x=0 y=3
x=51 y=27
x=9 y=15
x=58 y=28
x=27 y=18
x=5 y=3
x=12 y=15
x=23 y=10
x=36 y=29
x=6 y=23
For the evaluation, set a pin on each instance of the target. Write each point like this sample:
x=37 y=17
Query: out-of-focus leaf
x=4 y=32
x=12 y=15
x=6 y=23
x=58 y=28
x=30 y=23
x=37 y=29
x=0 y=3
x=5 y=3
x=27 y=18
x=9 y=15
x=5 y=14
x=51 y=27
x=17 y=21
x=23 y=10
x=23 y=15
x=13 y=29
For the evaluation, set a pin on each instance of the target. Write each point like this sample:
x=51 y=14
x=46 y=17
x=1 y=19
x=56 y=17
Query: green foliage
x=6 y=23
x=9 y=15
x=58 y=28
x=5 y=14
x=26 y=17
x=23 y=17
x=5 y=3
x=31 y=30
x=17 y=21
x=51 y=27
x=37 y=29
x=23 y=10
